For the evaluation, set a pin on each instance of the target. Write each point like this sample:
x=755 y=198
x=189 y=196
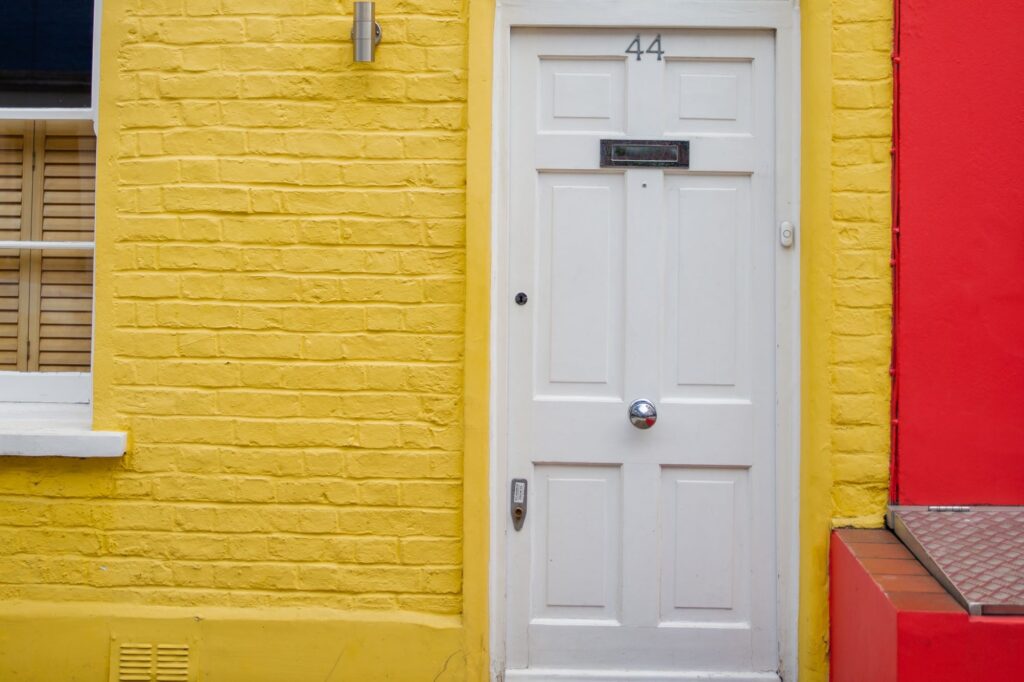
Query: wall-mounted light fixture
x=365 y=31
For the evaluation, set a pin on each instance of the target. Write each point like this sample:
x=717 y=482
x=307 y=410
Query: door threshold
x=579 y=675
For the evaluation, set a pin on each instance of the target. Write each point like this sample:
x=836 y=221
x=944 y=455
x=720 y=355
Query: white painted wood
x=55 y=430
x=583 y=548
x=705 y=96
x=581 y=231
x=580 y=333
x=705 y=307
x=704 y=566
x=26 y=244
x=552 y=675
x=47 y=114
x=787 y=334
x=704 y=557
x=55 y=387
x=716 y=409
x=581 y=95
x=782 y=18
x=97 y=34
x=45 y=387
x=776 y=14
x=577 y=546
x=708 y=96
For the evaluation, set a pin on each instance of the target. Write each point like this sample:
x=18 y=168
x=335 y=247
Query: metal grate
x=977 y=554
x=143 y=662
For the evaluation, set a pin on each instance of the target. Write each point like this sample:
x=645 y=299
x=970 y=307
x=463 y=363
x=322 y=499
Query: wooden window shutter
x=64 y=196
x=47 y=193
x=15 y=224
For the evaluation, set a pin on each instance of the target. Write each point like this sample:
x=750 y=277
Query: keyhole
x=521 y=298
x=518 y=513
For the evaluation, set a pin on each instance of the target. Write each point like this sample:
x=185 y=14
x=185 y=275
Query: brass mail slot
x=646 y=153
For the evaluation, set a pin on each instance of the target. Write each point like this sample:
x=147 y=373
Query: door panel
x=709 y=96
x=579 y=288
x=582 y=540
x=707 y=273
x=704 y=564
x=585 y=94
x=642 y=549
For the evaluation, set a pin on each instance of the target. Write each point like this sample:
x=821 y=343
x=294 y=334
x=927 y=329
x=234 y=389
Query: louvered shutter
x=47 y=193
x=15 y=207
x=60 y=332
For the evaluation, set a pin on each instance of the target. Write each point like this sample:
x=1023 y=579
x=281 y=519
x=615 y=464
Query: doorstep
x=892 y=621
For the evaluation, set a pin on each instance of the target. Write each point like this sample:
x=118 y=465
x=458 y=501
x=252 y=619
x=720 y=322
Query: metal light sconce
x=365 y=32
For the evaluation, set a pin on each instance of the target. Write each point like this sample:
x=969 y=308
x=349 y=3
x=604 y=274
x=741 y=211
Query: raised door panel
x=705 y=565
x=580 y=277
x=582 y=95
x=709 y=96
x=707 y=252
x=578 y=543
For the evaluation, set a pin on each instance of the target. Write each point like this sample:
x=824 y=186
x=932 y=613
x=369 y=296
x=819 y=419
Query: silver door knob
x=642 y=414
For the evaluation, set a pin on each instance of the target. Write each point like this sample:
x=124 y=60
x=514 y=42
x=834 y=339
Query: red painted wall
x=960 y=314
x=862 y=622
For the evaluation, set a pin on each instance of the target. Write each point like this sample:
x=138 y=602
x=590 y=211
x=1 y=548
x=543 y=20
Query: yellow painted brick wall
x=846 y=290
x=862 y=283
x=280 y=318
x=281 y=315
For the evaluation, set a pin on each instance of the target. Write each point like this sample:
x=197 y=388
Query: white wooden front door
x=645 y=553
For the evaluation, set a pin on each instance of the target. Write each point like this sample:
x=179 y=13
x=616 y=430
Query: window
x=48 y=90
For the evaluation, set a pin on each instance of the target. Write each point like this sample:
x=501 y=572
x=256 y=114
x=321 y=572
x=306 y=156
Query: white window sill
x=55 y=430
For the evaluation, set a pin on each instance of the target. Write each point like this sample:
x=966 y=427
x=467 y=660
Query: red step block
x=891 y=621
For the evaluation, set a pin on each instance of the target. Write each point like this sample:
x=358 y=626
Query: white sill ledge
x=55 y=430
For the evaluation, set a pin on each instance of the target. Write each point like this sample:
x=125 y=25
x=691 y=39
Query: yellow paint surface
x=49 y=642
x=292 y=306
x=846 y=289
x=281 y=328
x=477 y=380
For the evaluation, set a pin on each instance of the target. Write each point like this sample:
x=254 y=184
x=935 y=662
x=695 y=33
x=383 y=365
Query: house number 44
x=654 y=48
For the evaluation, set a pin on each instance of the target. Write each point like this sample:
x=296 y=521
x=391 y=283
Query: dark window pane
x=46 y=53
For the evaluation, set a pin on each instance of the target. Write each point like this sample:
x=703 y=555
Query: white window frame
x=50 y=413
x=90 y=113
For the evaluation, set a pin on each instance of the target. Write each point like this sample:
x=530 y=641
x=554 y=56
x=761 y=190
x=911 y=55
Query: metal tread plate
x=978 y=555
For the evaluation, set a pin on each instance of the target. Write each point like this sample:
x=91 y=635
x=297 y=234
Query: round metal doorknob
x=642 y=414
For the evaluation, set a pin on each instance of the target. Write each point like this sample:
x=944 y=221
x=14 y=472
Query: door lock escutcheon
x=518 y=503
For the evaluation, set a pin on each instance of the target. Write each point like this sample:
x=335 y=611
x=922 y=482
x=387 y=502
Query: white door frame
x=781 y=16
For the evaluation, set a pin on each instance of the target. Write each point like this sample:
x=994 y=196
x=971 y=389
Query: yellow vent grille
x=135 y=663
x=139 y=662
x=171 y=663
